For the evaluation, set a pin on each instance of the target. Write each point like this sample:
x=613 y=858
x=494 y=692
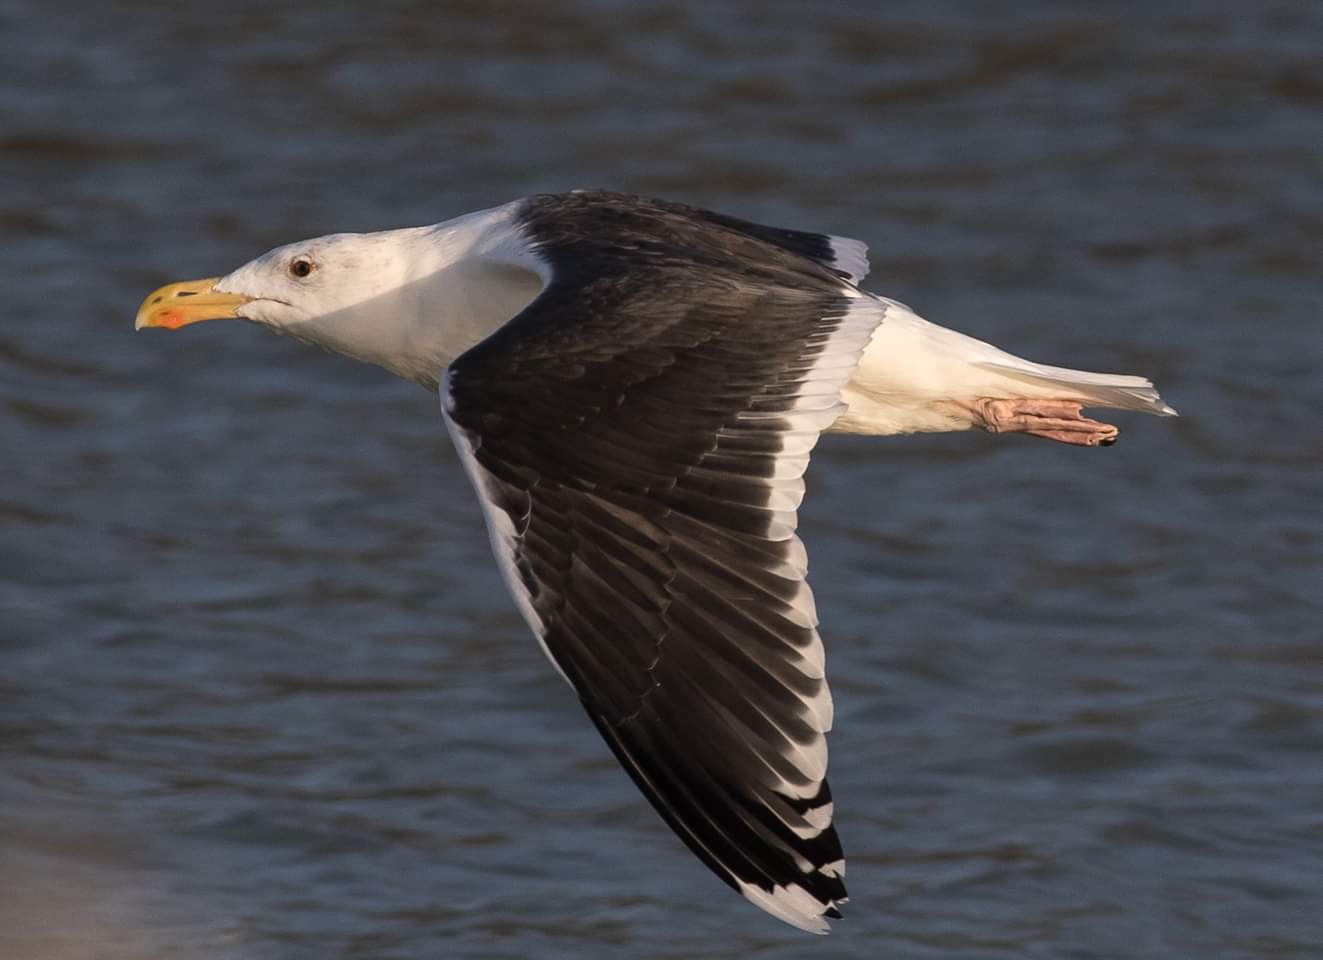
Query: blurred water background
x=262 y=694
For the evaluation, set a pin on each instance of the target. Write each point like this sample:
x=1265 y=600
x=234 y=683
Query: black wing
x=844 y=257
x=638 y=436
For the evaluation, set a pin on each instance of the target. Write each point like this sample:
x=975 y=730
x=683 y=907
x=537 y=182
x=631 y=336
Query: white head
x=408 y=300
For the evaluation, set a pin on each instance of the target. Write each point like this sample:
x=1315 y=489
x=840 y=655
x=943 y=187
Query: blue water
x=262 y=694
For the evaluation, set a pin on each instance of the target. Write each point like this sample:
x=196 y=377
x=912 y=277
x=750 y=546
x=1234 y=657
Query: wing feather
x=637 y=437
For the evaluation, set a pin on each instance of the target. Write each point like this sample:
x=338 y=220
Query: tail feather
x=1103 y=389
x=918 y=377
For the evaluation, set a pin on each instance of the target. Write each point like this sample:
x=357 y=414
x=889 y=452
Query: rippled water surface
x=261 y=692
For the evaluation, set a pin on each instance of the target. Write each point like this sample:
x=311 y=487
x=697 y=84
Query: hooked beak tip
x=176 y=305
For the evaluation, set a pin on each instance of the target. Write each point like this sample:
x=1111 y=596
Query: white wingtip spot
x=819 y=818
x=794 y=905
x=851 y=256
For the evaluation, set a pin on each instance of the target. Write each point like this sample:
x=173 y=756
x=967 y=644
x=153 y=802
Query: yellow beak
x=178 y=304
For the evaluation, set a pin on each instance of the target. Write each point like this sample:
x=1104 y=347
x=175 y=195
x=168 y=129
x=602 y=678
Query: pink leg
x=1058 y=420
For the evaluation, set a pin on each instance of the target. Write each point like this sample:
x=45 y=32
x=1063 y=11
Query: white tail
x=1100 y=389
x=918 y=377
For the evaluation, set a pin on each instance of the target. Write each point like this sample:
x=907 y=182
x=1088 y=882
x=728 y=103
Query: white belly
x=911 y=372
x=917 y=377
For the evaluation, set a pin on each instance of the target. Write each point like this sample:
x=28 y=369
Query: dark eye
x=301 y=266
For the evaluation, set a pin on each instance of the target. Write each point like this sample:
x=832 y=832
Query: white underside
x=915 y=376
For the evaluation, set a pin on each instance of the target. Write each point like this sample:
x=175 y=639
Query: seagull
x=634 y=387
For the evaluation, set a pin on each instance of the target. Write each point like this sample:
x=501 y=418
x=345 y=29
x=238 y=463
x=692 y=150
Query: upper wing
x=843 y=256
x=637 y=437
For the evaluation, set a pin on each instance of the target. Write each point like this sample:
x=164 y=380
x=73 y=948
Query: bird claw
x=1058 y=420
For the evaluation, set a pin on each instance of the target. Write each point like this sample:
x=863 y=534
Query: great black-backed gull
x=634 y=387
